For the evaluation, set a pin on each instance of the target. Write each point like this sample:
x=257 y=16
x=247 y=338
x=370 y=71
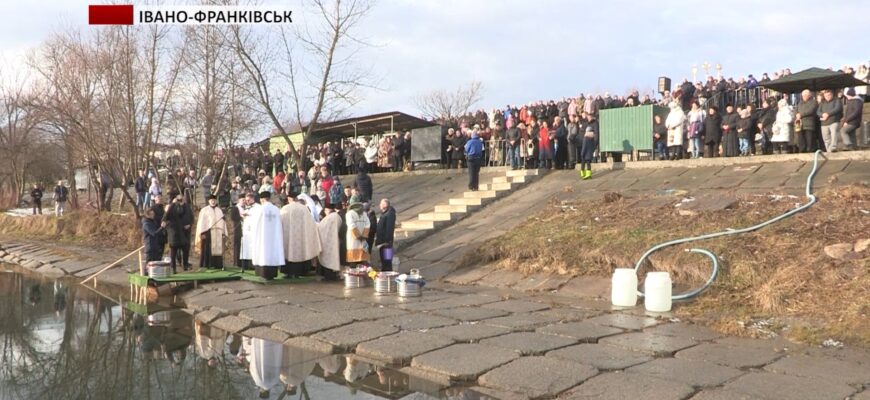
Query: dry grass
x=780 y=271
x=105 y=230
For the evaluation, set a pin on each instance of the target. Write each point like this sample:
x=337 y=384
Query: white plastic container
x=623 y=287
x=657 y=292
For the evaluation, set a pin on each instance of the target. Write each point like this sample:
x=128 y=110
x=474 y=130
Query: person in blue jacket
x=152 y=234
x=474 y=155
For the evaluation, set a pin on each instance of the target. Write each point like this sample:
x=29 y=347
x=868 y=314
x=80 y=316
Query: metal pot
x=385 y=282
x=355 y=281
x=408 y=289
x=159 y=269
x=160 y=318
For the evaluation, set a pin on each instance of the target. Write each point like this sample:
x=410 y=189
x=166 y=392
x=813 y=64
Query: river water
x=61 y=340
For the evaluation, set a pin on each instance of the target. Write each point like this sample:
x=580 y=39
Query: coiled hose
x=695 y=292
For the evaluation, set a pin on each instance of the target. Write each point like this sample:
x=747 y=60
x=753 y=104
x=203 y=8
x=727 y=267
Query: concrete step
x=522 y=172
x=512 y=179
x=480 y=194
x=417 y=225
x=435 y=216
x=466 y=202
x=495 y=186
x=455 y=208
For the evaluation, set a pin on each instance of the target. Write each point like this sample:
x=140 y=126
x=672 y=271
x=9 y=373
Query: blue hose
x=695 y=292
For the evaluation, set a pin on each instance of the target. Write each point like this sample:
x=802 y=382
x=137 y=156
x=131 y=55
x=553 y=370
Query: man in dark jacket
x=152 y=235
x=561 y=134
x=384 y=234
x=830 y=113
x=712 y=131
x=406 y=151
x=141 y=188
x=852 y=117
x=36 y=199
x=398 y=153
x=806 y=111
x=364 y=185
x=278 y=159
x=513 y=141
x=178 y=219
x=458 y=145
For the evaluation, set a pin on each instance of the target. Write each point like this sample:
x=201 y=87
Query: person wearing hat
x=210 y=232
x=358 y=226
x=590 y=142
x=854 y=110
x=178 y=218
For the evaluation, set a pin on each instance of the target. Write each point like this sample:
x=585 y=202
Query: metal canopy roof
x=366 y=125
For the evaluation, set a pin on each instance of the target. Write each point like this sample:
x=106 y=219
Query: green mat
x=228 y=274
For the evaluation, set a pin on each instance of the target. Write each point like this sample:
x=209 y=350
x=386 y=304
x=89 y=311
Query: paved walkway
x=510 y=344
x=527 y=337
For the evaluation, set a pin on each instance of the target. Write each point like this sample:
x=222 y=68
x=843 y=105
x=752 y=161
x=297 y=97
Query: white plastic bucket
x=623 y=292
x=657 y=292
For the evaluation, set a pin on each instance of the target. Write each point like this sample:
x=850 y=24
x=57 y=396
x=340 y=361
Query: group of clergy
x=289 y=239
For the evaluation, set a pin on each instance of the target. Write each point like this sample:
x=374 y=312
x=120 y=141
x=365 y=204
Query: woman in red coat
x=545 y=154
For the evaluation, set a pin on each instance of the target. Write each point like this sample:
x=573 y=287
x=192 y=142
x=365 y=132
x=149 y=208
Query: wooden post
x=141 y=266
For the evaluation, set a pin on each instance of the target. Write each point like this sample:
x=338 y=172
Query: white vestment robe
x=301 y=241
x=267 y=242
x=266 y=357
x=330 y=247
x=247 y=232
x=211 y=219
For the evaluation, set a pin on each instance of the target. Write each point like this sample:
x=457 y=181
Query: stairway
x=459 y=207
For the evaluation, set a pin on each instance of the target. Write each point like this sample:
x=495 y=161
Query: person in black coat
x=385 y=233
x=159 y=209
x=36 y=199
x=560 y=134
x=178 y=219
x=278 y=159
x=152 y=235
x=730 y=142
x=398 y=152
x=236 y=218
x=373 y=218
x=766 y=116
x=712 y=131
x=364 y=185
x=458 y=148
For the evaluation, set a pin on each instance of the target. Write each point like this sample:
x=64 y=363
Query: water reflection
x=63 y=341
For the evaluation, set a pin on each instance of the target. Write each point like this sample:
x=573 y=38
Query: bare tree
x=324 y=71
x=448 y=106
x=19 y=134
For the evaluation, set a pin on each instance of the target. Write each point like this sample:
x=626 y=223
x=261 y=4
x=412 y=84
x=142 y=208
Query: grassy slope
x=780 y=271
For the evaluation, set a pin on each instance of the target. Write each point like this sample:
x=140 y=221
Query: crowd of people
x=560 y=133
x=321 y=224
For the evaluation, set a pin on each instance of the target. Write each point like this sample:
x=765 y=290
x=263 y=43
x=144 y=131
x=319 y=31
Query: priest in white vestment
x=210 y=232
x=266 y=357
x=267 y=240
x=329 y=258
x=247 y=253
x=301 y=241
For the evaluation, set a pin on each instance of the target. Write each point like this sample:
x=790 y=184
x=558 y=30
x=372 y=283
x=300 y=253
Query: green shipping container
x=623 y=130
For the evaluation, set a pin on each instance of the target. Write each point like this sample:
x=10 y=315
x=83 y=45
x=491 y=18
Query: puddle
x=60 y=340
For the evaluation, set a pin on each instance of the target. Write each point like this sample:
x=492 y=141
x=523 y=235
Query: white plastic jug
x=623 y=287
x=657 y=292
